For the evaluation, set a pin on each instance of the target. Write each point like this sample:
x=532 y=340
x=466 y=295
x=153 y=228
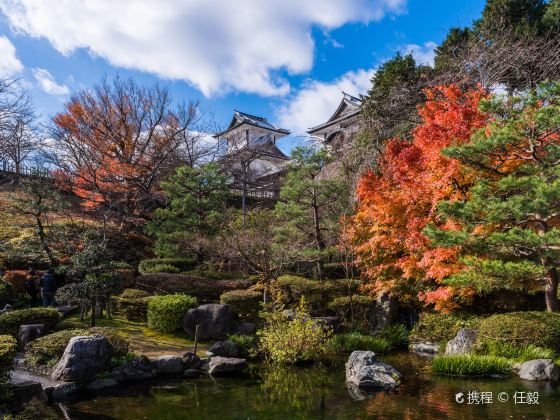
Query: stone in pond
x=363 y=370
x=463 y=343
x=215 y=321
x=168 y=364
x=539 y=370
x=25 y=391
x=137 y=369
x=101 y=384
x=225 y=348
x=191 y=360
x=83 y=358
x=226 y=365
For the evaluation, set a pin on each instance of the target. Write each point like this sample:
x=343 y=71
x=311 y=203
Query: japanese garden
x=401 y=261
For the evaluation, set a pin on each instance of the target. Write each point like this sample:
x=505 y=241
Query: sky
x=286 y=60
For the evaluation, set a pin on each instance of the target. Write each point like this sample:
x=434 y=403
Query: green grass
x=471 y=365
x=515 y=352
x=342 y=343
x=396 y=335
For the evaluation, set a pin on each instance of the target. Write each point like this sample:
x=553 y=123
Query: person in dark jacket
x=48 y=287
x=31 y=287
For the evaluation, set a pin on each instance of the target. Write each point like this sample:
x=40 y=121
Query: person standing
x=31 y=287
x=48 y=287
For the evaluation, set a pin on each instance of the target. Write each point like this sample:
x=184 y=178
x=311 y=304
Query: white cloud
x=423 y=54
x=48 y=84
x=9 y=63
x=316 y=101
x=216 y=46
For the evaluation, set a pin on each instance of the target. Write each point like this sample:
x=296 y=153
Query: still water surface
x=319 y=392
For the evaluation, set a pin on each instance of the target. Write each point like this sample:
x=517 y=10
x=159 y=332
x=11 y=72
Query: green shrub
x=396 y=335
x=343 y=307
x=67 y=324
x=215 y=275
x=10 y=321
x=514 y=352
x=8 y=346
x=438 y=327
x=181 y=264
x=49 y=348
x=346 y=343
x=471 y=365
x=165 y=313
x=133 y=294
x=164 y=268
x=246 y=343
x=132 y=304
x=245 y=303
x=6 y=293
x=332 y=271
x=291 y=340
x=202 y=289
x=541 y=329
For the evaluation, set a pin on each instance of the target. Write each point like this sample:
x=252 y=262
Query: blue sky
x=286 y=60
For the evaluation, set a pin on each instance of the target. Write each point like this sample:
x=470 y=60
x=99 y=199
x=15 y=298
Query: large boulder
x=83 y=358
x=215 y=320
x=539 y=370
x=137 y=369
x=463 y=343
x=363 y=370
x=383 y=313
x=224 y=348
x=25 y=391
x=168 y=364
x=226 y=365
x=191 y=360
x=28 y=333
x=100 y=384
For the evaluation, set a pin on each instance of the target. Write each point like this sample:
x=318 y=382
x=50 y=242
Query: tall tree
x=194 y=213
x=310 y=207
x=525 y=17
x=116 y=142
x=509 y=223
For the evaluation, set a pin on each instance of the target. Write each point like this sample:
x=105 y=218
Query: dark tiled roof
x=348 y=101
x=240 y=118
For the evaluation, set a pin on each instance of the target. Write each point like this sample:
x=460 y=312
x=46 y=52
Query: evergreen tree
x=310 y=207
x=452 y=49
x=197 y=204
x=522 y=17
x=509 y=227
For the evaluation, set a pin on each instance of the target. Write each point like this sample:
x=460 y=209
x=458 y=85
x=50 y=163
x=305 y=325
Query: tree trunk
x=44 y=242
x=320 y=243
x=551 y=291
x=93 y=310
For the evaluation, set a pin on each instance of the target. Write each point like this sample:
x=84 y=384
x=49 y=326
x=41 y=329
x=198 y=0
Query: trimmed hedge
x=438 y=327
x=181 y=264
x=47 y=350
x=165 y=313
x=10 y=321
x=132 y=304
x=201 y=288
x=540 y=329
x=245 y=303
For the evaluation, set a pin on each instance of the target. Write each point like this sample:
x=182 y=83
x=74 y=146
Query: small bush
x=514 y=352
x=49 y=348
x=246 y=343
x=396 y=335
x=245 y=303
x=133 y=294
x=285 y=340
x=202 y=289
x=120 y=345
x=438 y=327
x=165 y=313
x=471 y=365
x=164 y=268
x=215 y=275
x=346 y=343
x=541 y=329
x=6 y=294
x=10 y=321
x=181 y=264
x=132 y=304
x=343 y=307
x=67 y=324
x=8 y=346
x=17 y=279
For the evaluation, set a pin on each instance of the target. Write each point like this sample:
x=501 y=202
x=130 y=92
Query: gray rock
x=246 y=328
x=363 y=370
x=192 y=373
x=224 y=348
x=28 y=333
x=424 y=348
x=383 y=313
x=226 y=365
x=137 y=369
x=25 y=391
x=83 y=358
x=539 y=370
x=101 y=384
x=168 y=364
x=215 y=320
x=63 y=390
x=191 y=360
x=463 y=343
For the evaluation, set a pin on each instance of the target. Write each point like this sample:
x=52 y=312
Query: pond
x=318 y=391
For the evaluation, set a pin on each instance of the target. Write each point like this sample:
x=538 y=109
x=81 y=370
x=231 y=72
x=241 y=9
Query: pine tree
x=509 y=226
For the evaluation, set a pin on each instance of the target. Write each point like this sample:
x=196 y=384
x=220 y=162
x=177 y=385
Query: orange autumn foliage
x=397 y=202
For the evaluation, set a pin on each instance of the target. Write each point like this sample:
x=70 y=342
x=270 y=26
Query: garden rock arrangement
x=138 y=368
x=364 y=371
x=539 y=370
x=226 y=365
x=83 y=358
x=215 y=320
x=463 y=343
x=168 y=365
x=225 y=348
